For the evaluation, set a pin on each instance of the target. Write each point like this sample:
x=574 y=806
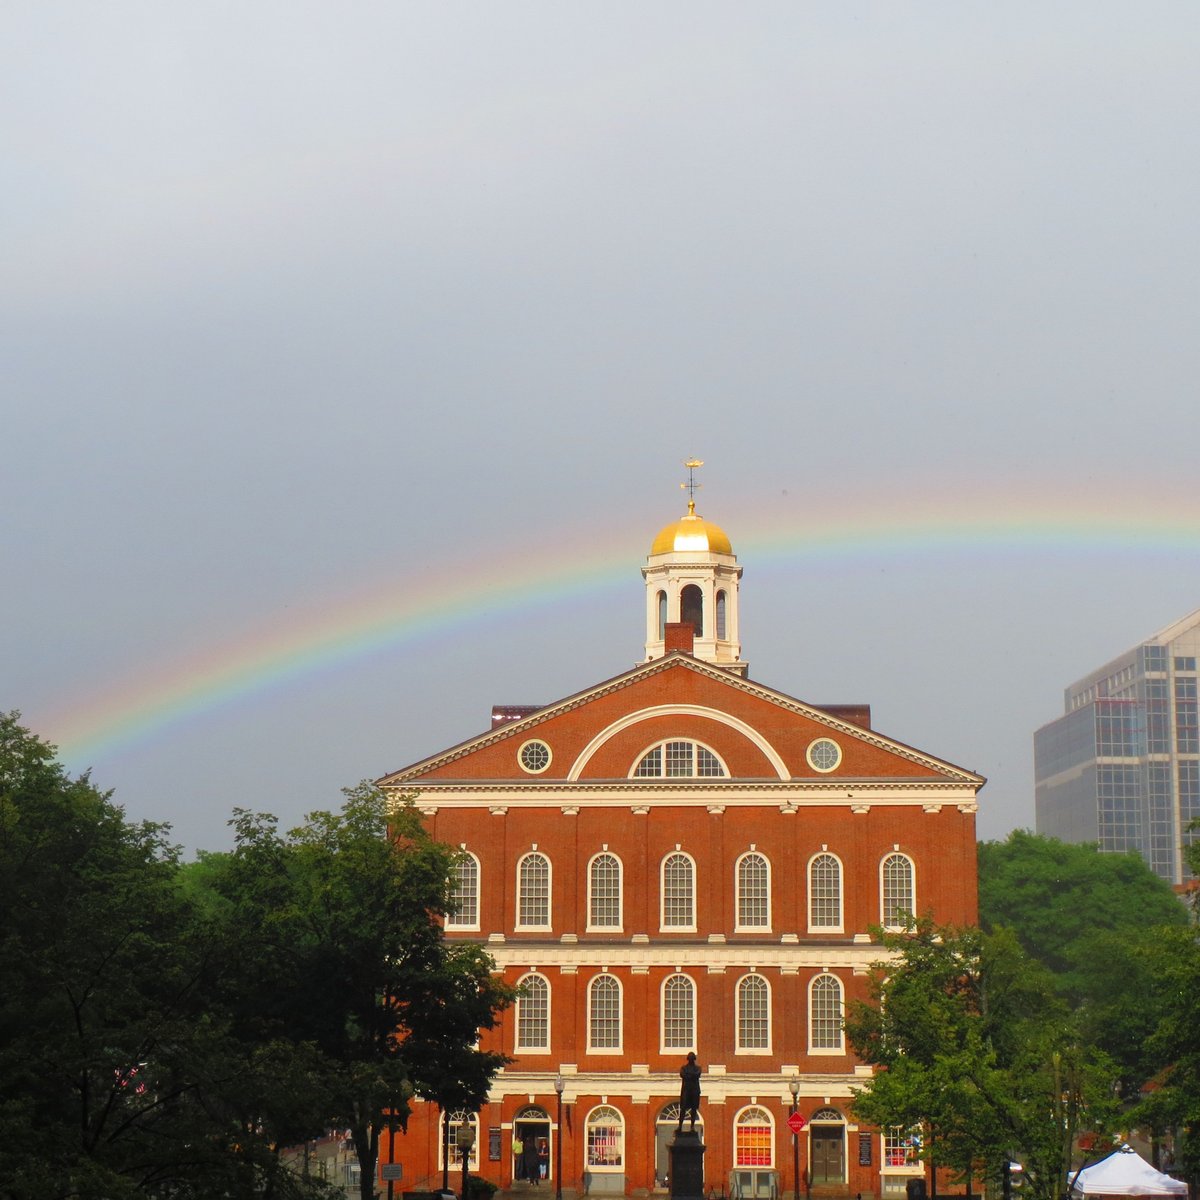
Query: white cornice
x=789 y=957
x=770 y=1087
x=669 y=793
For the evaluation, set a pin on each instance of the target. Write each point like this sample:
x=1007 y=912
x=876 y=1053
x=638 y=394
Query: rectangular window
x=604 y=910
x=679 y=1014
x=604 y=1026
x=753 y=893
x=754 y=1147
x=679 y=902
x=679 y=759
x=533 y=892
x=533 y=1014
x=897 y=1146
x=464 y=894
x=754 y=1007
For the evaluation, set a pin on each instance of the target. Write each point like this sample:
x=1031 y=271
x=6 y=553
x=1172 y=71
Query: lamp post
x=465 y=1140
x=794 y=1088
x=559 y=1085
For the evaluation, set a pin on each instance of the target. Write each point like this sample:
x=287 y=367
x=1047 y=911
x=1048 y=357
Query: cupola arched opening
x=691 y=608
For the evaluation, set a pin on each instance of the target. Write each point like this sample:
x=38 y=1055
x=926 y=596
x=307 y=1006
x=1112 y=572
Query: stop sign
x=795 y=1122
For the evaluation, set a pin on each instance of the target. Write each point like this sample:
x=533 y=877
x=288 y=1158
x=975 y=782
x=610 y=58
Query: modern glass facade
x=1121 y=767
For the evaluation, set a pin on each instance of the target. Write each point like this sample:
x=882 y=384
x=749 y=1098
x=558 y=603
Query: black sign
x=864 y=1149
x=493 y=1143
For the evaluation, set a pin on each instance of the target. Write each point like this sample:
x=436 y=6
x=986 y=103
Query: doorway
x=827 y=1151
x=664 y=1131
x=532 y=1127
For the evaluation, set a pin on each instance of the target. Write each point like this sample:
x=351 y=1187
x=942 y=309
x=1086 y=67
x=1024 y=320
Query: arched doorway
x=827 y=1146
x=531 y=1126
x=664 y=1130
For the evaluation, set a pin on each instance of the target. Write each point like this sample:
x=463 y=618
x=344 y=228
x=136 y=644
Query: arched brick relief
x=773 y=759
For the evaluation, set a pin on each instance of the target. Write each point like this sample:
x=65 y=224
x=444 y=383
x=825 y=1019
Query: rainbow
x=443 y=597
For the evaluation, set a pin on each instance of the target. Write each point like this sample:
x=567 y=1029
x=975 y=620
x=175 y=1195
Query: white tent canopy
x=1126 y=1173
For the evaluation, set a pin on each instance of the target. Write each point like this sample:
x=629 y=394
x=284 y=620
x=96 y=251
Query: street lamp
x=794 y=1088
x=559 y=1084
x=465 y=1140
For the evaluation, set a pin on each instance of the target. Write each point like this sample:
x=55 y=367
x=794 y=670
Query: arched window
x=753 y=1014
x=898 y=890
x=691 y=608
x=679 y=760
x=604 y=892
x=753 y=1138
x=825 y=1015
x=753 y=892
x=678 y=892
x=721 y=614
x=678 y=1013
x=533 y=892
x=464 y=893
x=604 y=1014
x=533 y=1014
x=457 y=1121
x=824 y=892
x=662 y=615
x=605 y=1139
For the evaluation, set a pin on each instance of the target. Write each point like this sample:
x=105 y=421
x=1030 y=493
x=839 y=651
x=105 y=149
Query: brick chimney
x=679 y=635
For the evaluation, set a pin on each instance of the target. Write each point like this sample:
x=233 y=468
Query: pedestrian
x=530 y=1155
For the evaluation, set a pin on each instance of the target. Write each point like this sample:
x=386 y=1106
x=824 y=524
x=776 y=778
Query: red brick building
x=680 y=858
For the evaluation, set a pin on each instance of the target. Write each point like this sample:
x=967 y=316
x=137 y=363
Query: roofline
x=677 y=658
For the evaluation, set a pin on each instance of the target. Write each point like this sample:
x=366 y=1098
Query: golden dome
x=691 y=533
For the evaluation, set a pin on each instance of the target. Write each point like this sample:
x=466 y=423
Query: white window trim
x=912 y=876
x=454 y=921
x=661 y=744
x=663 y=927
x=549 y=925
x=737 y=1116
x=587 y=1124
x=619 y=927
x=841 y=1047
x=472 y=1157
x=840 y=927
x=518 y=1046
x=663 y=1046
x=737 y=894
x=619 y=1047
x=737 y=1016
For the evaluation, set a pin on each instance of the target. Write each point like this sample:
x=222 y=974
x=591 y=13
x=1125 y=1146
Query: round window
x=824 y=755
x=534 y=757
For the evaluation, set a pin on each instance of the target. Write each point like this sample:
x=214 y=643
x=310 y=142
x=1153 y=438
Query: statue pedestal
x=686 y=1152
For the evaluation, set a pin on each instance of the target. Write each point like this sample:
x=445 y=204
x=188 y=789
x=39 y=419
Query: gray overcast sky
x=307 y=302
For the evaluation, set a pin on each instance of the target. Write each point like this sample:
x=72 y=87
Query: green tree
x=1095 y=920
x=106 y=1044
x=336 y=946
x=973 y=1046
x=1173 y=1102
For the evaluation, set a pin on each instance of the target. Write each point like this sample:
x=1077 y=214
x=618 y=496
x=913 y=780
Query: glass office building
x=1121 y=767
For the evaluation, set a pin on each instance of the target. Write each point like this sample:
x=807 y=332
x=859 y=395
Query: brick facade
x=721 y=905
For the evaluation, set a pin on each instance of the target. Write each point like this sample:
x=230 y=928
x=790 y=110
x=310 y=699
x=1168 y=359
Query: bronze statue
x=689 y=1091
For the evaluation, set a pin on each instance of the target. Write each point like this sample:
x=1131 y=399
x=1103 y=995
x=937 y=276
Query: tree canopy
x=336 y=946
x=974 y=1046
x=1171 y=1100
x=1097 y=922
x=166 y=1030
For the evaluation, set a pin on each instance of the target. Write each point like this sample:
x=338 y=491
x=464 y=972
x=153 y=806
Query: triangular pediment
x=596 y=733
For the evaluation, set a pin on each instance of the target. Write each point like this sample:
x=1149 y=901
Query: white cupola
x=692 y=579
